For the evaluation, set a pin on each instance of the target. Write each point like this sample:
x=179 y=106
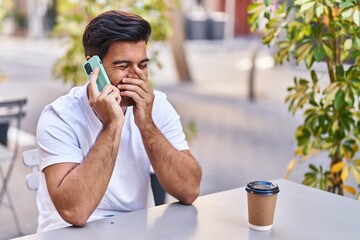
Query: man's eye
x=142 y=66
x=123 y=66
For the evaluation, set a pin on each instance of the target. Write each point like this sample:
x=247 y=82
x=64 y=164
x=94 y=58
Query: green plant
x=5 y=7
x=73 y=16
x=324 y=31
x=2 y=12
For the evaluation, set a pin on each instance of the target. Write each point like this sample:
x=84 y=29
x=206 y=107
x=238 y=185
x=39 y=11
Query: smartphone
x=90 y=65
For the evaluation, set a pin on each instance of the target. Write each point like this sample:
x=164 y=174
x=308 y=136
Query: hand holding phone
x=89 y=67
x=108 y=111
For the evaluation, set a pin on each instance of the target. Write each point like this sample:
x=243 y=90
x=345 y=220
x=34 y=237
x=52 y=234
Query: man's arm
x=178 y=171
x=77 y=189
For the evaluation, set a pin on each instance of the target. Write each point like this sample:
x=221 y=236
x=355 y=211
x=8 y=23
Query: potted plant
x=325 y=32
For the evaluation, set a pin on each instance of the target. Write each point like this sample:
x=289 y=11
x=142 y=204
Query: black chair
x=11 y=114
x=158 y=191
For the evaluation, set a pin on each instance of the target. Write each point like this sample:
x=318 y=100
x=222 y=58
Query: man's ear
x=87 y=58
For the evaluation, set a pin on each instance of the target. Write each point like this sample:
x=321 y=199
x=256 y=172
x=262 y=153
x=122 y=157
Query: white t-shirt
x=66 y=131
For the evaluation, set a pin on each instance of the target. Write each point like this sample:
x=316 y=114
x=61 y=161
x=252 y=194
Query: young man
x=96 y=148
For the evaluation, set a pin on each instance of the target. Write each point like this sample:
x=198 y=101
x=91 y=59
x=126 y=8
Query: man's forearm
x=178 y=171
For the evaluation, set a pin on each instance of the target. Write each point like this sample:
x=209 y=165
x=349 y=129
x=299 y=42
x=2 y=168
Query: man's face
x=121 y=61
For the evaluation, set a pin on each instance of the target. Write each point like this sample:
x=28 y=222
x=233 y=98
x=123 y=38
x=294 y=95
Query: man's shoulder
x=160 y=96
x=163 y=108
x=66 y=107
x=69 y=102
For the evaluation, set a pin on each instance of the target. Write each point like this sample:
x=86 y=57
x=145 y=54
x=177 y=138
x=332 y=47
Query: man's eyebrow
x=145 y=60
x=127 y=61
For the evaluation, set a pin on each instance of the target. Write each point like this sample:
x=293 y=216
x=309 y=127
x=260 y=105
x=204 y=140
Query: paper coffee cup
x=261 y=197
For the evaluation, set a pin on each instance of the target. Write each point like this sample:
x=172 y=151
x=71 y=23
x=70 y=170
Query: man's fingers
x=132 y=83
x=125 y=88
x=141 y=74
x=92 y=84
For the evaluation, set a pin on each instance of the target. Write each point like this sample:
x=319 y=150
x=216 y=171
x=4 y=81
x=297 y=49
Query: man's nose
x=132 y=72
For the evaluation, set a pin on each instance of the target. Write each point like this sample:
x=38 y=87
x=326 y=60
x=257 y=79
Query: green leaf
x=327 y=50
x=355 y=83
x=348 y=44
x=331 y=92
x=329 y=2
x=335 y=126
x=327 y=145
x=309 y=15
x=344 y=55
x=302 y=135
x=309 y=60
x=273 y=24
x=302 y=52
x=314 y=76
x=313 y=168
x=310 y=181
x=345 y=174
x=346 y=4
x=323 y=184
x=255 y=8
x=356 y=162
x=306 y=6
x=318 y=53
x=347 y=12
x=357 y=42
x=267 y=15
x=319 y=10
x=310 y=175
x=356 y=17
x=356 y=174
x=281 y=10
x=303 y=82
x=301 y=2
x=340 y=71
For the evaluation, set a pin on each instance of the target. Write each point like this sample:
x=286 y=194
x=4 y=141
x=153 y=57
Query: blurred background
x=220 y=78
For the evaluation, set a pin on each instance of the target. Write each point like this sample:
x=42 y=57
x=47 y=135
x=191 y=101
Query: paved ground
x=238 y=140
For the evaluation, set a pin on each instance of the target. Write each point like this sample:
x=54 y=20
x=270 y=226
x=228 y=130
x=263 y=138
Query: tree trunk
x=177 y=41
x=336 y=178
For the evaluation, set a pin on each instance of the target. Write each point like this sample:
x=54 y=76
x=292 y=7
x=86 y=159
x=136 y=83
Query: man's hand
x=140 y=90
x=106 y=104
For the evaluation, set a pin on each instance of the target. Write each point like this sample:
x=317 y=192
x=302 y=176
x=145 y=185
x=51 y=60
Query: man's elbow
x=75 y=218
x=190 y=197
x=193 y=193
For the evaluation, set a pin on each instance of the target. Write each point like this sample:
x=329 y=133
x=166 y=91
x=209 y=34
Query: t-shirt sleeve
x=56 y=140
x=168 y=121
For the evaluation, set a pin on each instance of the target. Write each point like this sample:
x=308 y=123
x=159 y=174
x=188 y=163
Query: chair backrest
x=31 y=160
x=13 y=111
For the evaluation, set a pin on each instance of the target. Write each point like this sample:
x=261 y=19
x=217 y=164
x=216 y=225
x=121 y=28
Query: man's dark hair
x=112 y=26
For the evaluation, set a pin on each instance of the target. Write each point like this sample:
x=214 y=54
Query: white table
x=301 y=213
